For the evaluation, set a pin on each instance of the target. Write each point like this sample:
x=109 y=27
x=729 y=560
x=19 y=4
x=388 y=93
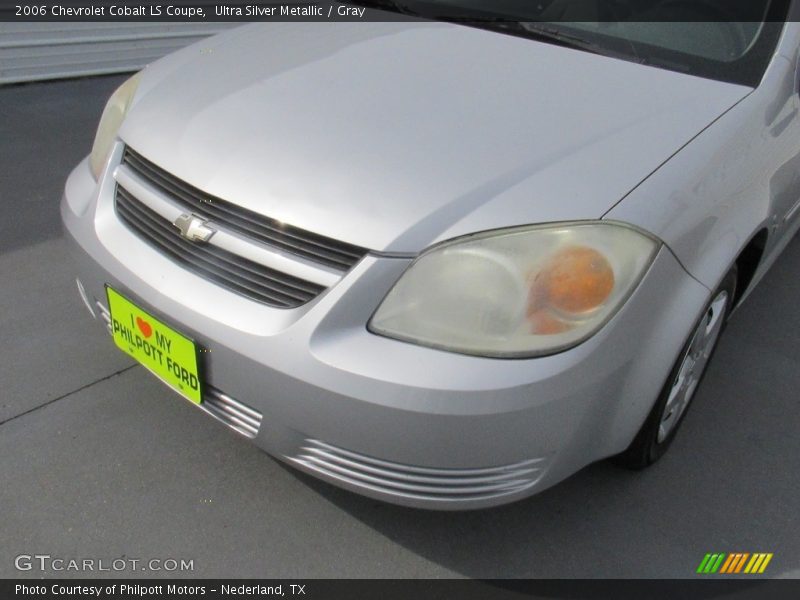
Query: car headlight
x=113 y=116
x=520 y=292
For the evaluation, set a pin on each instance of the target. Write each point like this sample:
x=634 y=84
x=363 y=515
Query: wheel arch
x=748 y=261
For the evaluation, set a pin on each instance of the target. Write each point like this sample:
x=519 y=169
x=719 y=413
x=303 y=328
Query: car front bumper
x=405 y=424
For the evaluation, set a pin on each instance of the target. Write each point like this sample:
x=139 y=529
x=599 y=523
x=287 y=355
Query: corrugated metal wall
x=34 y=51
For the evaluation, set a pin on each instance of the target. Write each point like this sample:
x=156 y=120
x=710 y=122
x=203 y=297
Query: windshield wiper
x=548 y=33
x=534 y=30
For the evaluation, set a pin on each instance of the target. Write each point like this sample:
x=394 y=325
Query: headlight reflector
x=110 y=122
x=518 y=292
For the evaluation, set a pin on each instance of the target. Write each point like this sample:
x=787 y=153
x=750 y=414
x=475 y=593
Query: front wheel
x=662 y=423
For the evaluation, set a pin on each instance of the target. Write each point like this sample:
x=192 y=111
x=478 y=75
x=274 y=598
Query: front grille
x=412 y=482
x=234 y=272
x=316 y=248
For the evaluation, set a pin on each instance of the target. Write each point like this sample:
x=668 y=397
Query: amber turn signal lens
x=543 y=322
x=575 y=280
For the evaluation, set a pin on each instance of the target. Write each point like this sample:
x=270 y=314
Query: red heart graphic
x=144 y=327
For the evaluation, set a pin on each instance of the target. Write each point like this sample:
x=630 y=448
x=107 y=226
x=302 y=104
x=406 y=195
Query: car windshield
x=728 y=40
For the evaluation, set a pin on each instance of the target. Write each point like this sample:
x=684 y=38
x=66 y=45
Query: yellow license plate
x=170 y=355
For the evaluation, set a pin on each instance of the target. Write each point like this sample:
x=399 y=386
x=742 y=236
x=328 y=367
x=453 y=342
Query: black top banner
x=395 y=10
x=186 y=11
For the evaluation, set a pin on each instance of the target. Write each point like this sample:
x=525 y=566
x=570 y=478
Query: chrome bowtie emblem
x=193 y=228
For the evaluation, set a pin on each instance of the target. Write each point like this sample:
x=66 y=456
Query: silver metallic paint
x=395 y=136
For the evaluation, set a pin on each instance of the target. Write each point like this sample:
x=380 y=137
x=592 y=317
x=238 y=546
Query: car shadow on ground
x=725 y=485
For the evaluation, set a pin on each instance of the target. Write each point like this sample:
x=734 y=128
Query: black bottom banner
x=391 y=589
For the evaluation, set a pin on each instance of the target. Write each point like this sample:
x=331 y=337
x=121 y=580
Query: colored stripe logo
x=737 y=562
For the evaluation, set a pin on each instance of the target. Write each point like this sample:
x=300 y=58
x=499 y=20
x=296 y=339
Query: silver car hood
x=393 y=136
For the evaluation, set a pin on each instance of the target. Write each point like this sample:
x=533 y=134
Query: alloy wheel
x=693 y=364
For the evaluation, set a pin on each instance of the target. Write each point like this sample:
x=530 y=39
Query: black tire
x=646 y=447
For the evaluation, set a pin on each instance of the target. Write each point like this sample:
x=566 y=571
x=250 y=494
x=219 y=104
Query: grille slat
x=209 y=267
x=435 y=487
x=240 y=417
x=219 y=256
x=311 y=246
x=245 y=277
x=417 y=482
x=104 y=314
x=500 y=478
x=241 y=220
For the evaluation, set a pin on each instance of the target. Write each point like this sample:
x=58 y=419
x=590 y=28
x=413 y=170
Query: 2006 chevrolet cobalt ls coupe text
x=444 y=264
